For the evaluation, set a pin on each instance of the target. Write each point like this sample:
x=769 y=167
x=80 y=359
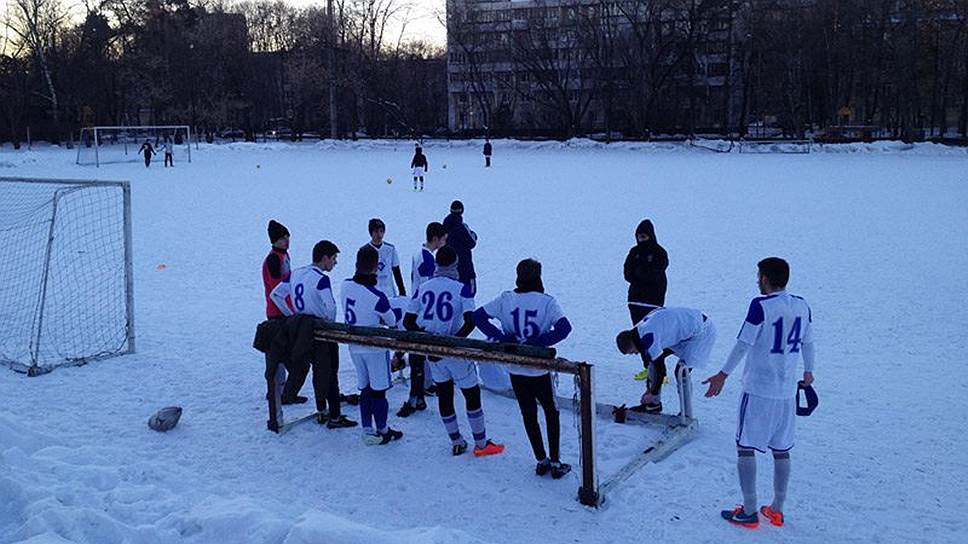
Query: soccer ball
x=258 y=166
x=389 y=181
x=444 y=166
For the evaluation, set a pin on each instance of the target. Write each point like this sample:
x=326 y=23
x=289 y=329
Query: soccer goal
x=66 y=293
x=106 y=145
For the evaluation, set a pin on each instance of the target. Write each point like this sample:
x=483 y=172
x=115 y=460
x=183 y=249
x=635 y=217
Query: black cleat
x=390 y=436
x=421 y=405
x=342 y=422
x=543 y=467
x=558 y=470
x=322 y=417
x=294 y=400
x=352 y=399
x=406 y=410
x=458 y=449
x=652 y=408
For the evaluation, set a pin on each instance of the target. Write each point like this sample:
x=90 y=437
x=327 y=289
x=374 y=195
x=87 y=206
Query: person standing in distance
x=645 y=272
x=148 y=151
x=419 y=166
x=777 y=332
x=487 y=153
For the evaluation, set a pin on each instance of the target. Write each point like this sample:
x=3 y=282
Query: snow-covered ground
x=875 y=235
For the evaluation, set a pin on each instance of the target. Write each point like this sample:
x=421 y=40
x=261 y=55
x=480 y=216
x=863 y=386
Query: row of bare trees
x=239 y=67
x=895 y=68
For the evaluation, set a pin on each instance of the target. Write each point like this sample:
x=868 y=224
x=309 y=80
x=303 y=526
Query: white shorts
x=696 y=350
x=766 y=423
x=419 y=172
x=462 y=373
x=372 y=370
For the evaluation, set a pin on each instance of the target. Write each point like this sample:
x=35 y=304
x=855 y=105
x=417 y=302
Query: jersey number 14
x=792 y=338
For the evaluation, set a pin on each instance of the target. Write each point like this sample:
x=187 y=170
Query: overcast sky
x=423 y=24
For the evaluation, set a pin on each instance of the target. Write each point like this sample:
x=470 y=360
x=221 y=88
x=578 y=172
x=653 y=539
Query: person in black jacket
x=419 y=161
x=463 y=240
x=148 y=151
x=645 y=270
x=487 y=153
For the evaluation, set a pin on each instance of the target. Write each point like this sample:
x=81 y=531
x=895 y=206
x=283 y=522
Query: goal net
x=107 y=145
x=66 y=294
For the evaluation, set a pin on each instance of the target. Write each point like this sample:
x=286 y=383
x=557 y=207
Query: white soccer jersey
x=423 y=268
x=776 y=327
x=525 y=315
x=367 y=307
x=669 y=328
x=384 y=270
x=440 y=304
x=310 y=291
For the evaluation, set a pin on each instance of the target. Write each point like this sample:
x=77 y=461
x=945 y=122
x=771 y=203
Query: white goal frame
x=34 y=367
x=97 y=138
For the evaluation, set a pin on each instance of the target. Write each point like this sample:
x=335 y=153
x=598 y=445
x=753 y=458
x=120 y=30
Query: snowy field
x=876 y=240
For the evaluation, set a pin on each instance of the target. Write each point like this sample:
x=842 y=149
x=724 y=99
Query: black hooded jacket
x=645 y=269
x=463 y=240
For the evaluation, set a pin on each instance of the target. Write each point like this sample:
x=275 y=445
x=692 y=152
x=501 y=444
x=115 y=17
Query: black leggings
x=445 y=398
x=417 y=366
x=658 y=375
x=530 y=391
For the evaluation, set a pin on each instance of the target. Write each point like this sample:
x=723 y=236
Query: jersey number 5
x=792 y=338
x=350 y=315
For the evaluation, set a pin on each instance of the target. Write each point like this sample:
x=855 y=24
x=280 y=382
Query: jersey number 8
x=298 y=299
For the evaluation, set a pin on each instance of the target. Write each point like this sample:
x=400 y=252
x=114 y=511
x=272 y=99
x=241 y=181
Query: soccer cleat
x=390 y=436
x=490 y=448
x=654 y=408
x=352 y=399
x=406 y=410
x=737 y=516
x=776 y=518
x=641 y=375
x=543 y=467
x=342 y=422
x=294 y=400
x=421 y=405
x=371 y=439
x=322 y=417
x=397 y=363
x=558 y=470
x=459 y=448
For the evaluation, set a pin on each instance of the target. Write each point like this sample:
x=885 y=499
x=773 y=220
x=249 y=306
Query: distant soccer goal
x=775 y=146
x=107 y=145
x=66 y=290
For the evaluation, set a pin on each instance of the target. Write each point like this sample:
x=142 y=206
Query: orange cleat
x=776 y=518
x=489 y=449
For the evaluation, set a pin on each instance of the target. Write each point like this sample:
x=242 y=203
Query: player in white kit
x=310 y=291
x=684 y=332
x=529 y=316
x=444 y=306
x=389 y=278
x=367 y=306
x=777 y=332
x=423 y=266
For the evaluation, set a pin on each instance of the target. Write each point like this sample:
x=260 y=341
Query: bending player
x=444 y=306
x=367 y=306
x=529 y=316
x=684 y=332
x=778 y=330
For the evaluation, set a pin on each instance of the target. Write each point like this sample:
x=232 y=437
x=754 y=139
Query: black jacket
x=487 y=149
x=645 y=269
x=463 y=240
x=419 y=160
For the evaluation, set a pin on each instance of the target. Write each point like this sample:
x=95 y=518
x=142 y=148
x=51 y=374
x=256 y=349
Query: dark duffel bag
x=265 y=332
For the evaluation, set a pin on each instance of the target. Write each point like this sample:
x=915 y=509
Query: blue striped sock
x=453 y=429
x=476 y=419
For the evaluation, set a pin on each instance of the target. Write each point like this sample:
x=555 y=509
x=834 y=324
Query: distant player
x=463 y=240
x=444 y=306
x=488 y=149
x=421 y=271
x=529 y=316
x=778 y=330
x=365 y=305
x=169 y=153
x=148 y=150
x=310 y=291
x=419 y=166
x=684 y=332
